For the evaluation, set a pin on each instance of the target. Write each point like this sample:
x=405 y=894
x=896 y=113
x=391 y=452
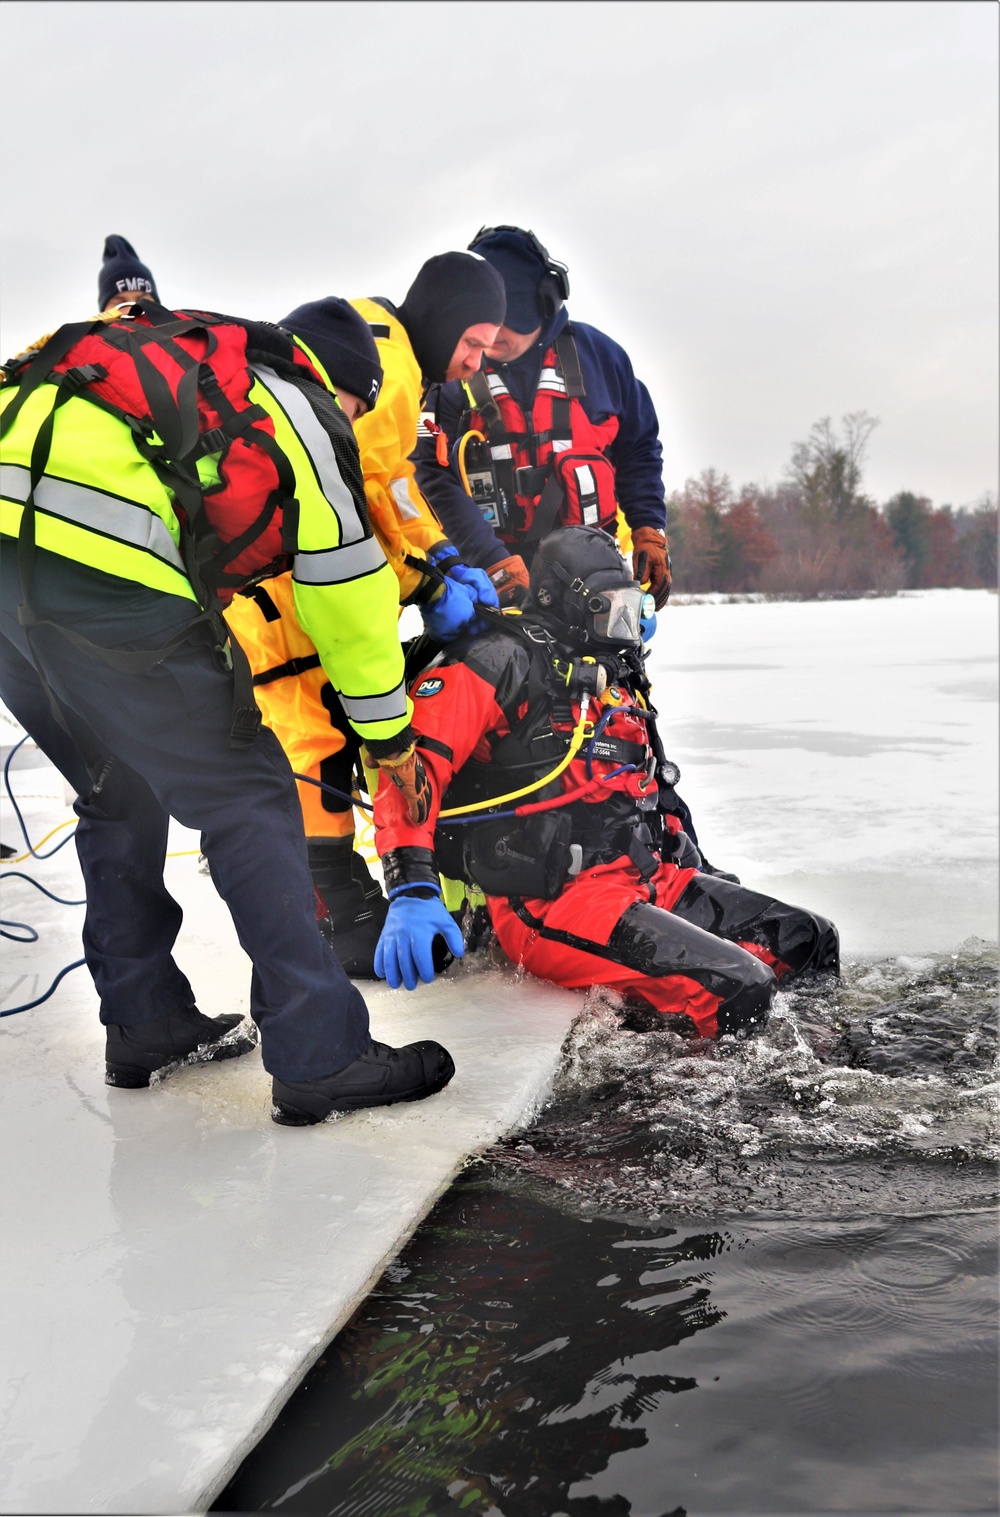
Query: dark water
x=750 y=1278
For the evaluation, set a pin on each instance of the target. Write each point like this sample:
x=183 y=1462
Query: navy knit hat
x=343 y=342
x=534 y=291
x=451 y=293
x=122 y=273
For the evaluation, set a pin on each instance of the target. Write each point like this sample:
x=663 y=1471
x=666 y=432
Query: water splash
x=854 y=1099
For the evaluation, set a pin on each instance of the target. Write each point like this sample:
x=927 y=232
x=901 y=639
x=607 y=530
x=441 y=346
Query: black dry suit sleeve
x=409 y=866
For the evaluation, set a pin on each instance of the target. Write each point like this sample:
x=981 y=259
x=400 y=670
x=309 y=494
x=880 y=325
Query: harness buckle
x=246 y=725
x=531 y=481
x=80 y=377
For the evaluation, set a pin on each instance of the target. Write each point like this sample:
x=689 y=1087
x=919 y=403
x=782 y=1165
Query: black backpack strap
x=38 y=370
x=547 y=511
x=569 y=362
x=486 y=406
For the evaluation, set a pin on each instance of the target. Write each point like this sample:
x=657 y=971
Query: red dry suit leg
x=707 y=949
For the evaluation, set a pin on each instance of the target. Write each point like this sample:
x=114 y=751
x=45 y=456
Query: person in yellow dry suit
x=450 y=315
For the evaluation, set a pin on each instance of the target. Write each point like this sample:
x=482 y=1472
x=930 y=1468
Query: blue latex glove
x=451 y=614
x=647 y=625
x=403 y=954
x=478 y=581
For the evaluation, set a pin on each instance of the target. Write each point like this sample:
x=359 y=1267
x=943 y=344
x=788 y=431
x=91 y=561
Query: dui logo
x=429 y=687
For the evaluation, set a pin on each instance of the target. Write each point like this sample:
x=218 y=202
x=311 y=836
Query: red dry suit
x=603 y=890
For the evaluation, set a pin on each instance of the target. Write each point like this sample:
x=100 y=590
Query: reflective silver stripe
x=315 y=439
x=549 y=379
x=501 y=450
x=375 y=708
x=333 y=565
x=496 y=384
x=560 y=444
x=123 y=520
x=401 y=495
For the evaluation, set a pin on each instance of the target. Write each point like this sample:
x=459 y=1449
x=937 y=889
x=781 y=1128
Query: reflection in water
x=559 y=1339
x=495 y=1362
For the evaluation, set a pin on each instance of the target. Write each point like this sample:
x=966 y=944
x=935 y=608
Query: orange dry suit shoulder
x=544 y=468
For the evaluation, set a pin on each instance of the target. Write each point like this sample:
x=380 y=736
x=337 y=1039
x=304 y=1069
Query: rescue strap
x=299 y=665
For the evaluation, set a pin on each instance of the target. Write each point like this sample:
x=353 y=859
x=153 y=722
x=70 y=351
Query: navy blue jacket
x=612 y=390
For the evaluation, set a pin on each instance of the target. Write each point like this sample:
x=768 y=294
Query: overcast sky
x=783 y=211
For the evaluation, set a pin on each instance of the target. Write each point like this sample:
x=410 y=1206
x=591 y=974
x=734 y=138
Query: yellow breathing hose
x=463 y=444
x=576 y=743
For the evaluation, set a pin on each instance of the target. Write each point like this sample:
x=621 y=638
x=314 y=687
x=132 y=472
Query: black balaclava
x=343 y=343
x=452 y=292
x=123 y=273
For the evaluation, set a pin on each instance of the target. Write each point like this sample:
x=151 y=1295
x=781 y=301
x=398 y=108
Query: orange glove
x=510 y=580
x=651 y=562
x=407 y=773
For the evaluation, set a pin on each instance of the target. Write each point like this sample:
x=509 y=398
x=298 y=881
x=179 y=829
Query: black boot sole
x=291 y=1116
x=135 y=1077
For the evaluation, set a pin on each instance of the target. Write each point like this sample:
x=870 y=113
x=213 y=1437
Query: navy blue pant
x=158 y=744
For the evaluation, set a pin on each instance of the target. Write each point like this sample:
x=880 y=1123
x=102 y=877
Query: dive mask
x=616 y=615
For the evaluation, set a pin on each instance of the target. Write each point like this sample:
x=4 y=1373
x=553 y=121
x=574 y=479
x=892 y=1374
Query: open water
x=740 y=1277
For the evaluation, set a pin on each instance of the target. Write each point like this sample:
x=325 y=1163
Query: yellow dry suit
x=290 y=681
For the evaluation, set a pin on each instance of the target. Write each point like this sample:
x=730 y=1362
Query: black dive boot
x=381 y=1077
x=135 y=1053
x=357 y=914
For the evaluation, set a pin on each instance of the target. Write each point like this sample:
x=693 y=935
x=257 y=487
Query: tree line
x=817 y=533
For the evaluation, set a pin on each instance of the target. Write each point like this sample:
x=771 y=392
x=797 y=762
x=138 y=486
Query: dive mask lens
x=618 y=620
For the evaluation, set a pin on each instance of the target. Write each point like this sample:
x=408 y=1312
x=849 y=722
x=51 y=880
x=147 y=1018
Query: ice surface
x=173 y=1262
x=844 y=754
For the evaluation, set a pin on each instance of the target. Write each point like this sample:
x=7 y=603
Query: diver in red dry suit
x=588 y=876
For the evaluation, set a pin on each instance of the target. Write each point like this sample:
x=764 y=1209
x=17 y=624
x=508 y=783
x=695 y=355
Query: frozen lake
x=844 y=753
x=181 y=1261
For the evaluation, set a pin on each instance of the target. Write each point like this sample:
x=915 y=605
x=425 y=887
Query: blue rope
x=32 y=935
x=17 y=809
x=17 y=874
x=332 y=790
x=13 y=1010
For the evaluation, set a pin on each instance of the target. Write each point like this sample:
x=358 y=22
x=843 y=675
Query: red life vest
x=181 y=380
x=550 y=465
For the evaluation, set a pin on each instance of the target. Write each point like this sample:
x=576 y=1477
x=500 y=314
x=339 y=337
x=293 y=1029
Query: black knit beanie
x=452 y=292
x=122 y=273
x=343 y=343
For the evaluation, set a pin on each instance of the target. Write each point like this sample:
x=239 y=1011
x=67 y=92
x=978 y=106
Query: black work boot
x=357 y=910
x=381 y=1076
x=362 y=874
x=135 y=1053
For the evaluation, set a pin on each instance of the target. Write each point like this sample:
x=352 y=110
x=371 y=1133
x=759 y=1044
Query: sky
x=783 y=211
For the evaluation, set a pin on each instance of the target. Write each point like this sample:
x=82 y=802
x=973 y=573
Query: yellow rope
x=576 y=743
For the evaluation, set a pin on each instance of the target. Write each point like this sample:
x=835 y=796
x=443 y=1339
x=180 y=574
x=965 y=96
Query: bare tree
x=828 y=468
